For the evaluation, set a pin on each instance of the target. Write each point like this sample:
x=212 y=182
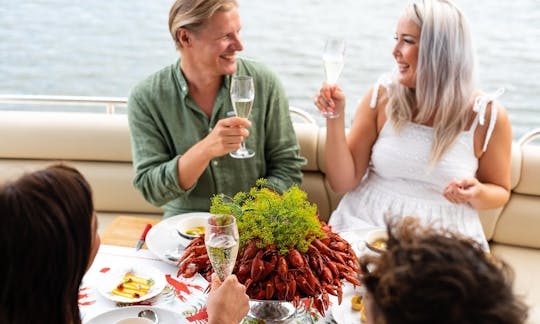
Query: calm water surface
x=103 y=47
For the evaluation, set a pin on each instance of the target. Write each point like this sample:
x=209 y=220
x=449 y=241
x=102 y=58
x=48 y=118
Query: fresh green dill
x=287 y=220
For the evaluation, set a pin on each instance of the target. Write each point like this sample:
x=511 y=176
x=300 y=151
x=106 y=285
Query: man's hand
x=226 y=136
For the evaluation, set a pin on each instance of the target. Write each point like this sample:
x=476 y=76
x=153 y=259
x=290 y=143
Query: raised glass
x=242 y=95
x=333 y=59
x=222 y=240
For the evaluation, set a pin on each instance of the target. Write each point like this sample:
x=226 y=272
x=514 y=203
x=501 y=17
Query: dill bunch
x=286 y=220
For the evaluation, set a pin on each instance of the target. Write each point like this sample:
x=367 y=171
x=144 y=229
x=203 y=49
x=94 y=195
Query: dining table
x=179 y=299
x=182 y=300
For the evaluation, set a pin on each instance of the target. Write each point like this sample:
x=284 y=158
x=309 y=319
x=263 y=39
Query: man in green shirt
x=180 y=117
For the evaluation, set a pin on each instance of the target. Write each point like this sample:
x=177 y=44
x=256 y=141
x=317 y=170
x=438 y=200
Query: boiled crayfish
x=268 y=274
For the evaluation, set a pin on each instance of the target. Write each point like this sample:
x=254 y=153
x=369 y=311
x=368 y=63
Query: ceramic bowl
x=192 y=225
x=376 y=240
x=134 y=320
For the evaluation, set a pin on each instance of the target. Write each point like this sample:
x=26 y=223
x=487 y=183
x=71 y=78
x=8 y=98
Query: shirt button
x=215 y=163
x=209 y=129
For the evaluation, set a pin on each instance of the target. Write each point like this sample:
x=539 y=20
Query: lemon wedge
x=356 y=302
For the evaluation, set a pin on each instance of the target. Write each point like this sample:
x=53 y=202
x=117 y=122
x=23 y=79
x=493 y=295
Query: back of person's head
x=435 y=276
x=45 y=241
x=193 y=14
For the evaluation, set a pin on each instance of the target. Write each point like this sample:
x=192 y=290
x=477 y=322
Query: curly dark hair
x=429 y=275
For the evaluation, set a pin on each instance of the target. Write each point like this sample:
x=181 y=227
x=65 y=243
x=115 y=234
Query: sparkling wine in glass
x=242 y=94
x=333 y=57
x=222 y=240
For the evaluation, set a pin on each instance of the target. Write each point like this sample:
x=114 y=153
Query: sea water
x=103 y=48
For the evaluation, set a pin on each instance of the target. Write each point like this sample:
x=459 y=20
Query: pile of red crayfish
x=267 y=274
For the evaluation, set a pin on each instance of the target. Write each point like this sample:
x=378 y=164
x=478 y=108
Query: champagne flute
x=221 y=240
x=242 y=94
x=333 y=56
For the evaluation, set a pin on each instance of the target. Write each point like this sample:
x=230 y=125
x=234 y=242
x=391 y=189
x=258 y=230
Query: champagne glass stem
x=242 y=146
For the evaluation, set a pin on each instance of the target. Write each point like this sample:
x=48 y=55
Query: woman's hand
x=227 y=301
x=462 y=191
x=330 y=98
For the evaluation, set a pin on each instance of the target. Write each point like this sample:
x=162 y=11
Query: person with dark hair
x=48 y=240
x=429 y=275
x=425 y=140
x=182 y=120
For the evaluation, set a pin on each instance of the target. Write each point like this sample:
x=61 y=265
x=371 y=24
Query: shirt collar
x=183 y=82
x=227 y=81
x=181 y=79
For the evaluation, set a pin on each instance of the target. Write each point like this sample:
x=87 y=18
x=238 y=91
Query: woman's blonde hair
x=445 y=75
x=193 y=14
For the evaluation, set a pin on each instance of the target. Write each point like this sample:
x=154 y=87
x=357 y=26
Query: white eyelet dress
x=400 y=182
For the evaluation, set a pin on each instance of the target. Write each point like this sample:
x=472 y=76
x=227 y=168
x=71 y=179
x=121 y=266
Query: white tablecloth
x=188 y=300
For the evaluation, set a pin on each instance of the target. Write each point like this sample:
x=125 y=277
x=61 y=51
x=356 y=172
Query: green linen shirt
x=165 y=122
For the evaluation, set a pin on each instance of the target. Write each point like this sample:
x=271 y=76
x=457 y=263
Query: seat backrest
x=99 y=145
x=314 y=180
x=519 y=221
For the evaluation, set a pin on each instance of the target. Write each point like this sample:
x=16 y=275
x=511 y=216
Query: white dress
x=400 y=182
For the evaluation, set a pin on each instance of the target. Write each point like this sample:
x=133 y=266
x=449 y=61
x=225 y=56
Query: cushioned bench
x=98 y=145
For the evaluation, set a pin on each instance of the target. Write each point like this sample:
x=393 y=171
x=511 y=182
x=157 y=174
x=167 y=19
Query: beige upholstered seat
x=98 y=145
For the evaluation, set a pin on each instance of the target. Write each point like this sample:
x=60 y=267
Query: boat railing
x=302 y=114
x=108 y=103
x=528 y=137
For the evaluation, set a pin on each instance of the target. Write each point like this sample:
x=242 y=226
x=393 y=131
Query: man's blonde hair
x=193 y=14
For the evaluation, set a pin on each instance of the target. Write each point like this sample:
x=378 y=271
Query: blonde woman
x=424 y=141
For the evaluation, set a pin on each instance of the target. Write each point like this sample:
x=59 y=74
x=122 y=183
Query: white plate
x=165 y=316
x=113 y=277
x=344 y=314
x=357 y=239
x=163 y=238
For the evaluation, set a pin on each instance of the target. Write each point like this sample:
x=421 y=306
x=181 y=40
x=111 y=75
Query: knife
x=143 y=237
